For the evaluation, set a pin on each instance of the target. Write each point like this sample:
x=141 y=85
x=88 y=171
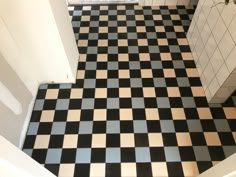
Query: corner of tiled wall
x=212 y=39
x=167 y=2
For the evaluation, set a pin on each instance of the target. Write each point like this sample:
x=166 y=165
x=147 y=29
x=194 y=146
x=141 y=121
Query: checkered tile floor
x=138 y=107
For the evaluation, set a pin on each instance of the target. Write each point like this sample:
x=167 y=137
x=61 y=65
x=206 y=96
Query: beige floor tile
x=127 y=140
x=152 y=114
x=47 y=116
x=99 y=115
x=155 y=140
x=128 y=169
x=73 y=115
x=212 y=139
x=183 y=139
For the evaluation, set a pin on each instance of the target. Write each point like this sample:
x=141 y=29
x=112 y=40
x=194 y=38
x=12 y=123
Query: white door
x=15 y=163
x=226 y=168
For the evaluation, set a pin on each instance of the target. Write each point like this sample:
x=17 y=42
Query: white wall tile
x=222 y=74
x=209 y=73
x=210 y=46
x=230 y=81
x=203 y=59
x=141 y=2
x=194 y=54
x=171 y=2
x=234 y=71
x=197 y=12
x=228 y=13
x=158 y=2
x=213 y=17
x=219 y=5
x=214 y=86
x=226 y=45
x=195 y=36
x=224 y=92
x=191 y=28
x=206 y=8
x=201 y=21
x=219 y=30
x=199 y=68
x=217 y=60
x=206 y=31
x=231 y=60
x=232 y=29
x=203 y=80
x=148 y=2
x=193 y=2
x=199 y=47
x=183 y=2
x=212 y=39
x=201 y=2
x=208 y=95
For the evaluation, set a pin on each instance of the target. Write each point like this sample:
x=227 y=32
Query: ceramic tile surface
x=138 y=107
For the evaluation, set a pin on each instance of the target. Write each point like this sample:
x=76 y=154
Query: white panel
x=226 y=45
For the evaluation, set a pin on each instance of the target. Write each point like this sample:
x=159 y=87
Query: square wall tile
x=219 y=30
x=222 y=74
x=231 y=61
x=226 y=45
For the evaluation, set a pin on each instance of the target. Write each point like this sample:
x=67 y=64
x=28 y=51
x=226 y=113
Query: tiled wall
x=167 y=2
x=212 y=38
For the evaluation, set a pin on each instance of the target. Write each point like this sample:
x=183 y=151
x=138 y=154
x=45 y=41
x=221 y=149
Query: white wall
x=37 y=41
x=39 y=54
x=167 y=2
x=212 y=39
x=11 y=125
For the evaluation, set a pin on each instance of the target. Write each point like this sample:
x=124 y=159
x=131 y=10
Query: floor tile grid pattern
x=138 y=107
